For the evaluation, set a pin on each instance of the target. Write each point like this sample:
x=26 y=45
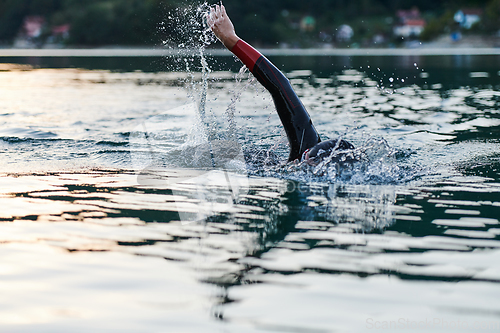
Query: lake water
x=127 y=206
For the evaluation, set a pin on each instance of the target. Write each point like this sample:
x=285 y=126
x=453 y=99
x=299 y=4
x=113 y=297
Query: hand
x=222 y=26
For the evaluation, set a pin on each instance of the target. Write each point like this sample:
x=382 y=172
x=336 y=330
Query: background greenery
x=264 y=22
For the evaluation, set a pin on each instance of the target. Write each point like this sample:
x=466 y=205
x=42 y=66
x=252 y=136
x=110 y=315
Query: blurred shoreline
x=160 y=52
x=468 y=45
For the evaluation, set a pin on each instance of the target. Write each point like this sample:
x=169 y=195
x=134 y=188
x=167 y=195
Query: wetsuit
x=298 y=125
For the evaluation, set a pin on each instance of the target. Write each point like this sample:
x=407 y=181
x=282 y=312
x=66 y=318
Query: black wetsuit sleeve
x=298 y=125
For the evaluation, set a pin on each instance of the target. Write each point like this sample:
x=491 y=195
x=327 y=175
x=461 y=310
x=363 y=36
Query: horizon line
x=156 y=52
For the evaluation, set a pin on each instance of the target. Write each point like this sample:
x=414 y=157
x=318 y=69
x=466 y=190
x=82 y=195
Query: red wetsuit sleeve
x=293 y=115
x=246 y=53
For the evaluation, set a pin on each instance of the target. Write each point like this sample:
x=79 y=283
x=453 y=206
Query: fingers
x=216 y=15
x=209 y=20
x=217 y=11
x=211 y=17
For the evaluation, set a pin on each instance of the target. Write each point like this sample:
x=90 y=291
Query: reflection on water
x=107 y=223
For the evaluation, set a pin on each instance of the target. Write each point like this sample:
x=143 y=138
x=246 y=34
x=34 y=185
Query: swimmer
x=305 y=143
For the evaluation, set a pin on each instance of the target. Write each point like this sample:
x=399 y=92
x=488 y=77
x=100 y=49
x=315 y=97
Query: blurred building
x=410 y=23
x=30 y=32
x=35 y=33
x=344 y=33
x=308 y=23
x=32 y=26
x=468 y=17
x=59 y=35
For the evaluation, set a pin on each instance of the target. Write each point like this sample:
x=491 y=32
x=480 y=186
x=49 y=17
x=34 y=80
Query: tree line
x=135 y=22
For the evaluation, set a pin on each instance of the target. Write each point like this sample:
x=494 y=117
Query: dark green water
x=452 y=71
x=113 y=217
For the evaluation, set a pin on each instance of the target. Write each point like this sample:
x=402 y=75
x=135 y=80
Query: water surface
x=112 y=219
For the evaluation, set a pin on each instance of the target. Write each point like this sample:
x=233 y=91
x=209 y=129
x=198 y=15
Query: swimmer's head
x=324 y=149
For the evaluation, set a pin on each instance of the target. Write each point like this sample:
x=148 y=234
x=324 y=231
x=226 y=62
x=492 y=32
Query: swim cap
x=324 y=149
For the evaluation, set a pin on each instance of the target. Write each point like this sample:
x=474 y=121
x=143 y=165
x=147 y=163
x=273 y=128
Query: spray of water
x=189 y=38
x=191 y=35
x=373 y=161
x=236 y=94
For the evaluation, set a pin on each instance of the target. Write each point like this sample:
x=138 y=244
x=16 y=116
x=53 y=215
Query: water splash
x=375 y=160
x=236 y=94
x=191 y=35
x=189 y=24
x=189 y=29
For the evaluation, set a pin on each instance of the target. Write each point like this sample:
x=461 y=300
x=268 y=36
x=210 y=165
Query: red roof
x=61 y=29
x=415 y=23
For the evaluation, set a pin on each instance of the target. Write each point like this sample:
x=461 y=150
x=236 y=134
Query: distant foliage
x=445 y=23
x=115 y=21
x=439 y=25
x=492 y=22
x=93 y=22
x=132 y=22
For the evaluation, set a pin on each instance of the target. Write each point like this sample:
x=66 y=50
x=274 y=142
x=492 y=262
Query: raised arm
x=298 y=125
